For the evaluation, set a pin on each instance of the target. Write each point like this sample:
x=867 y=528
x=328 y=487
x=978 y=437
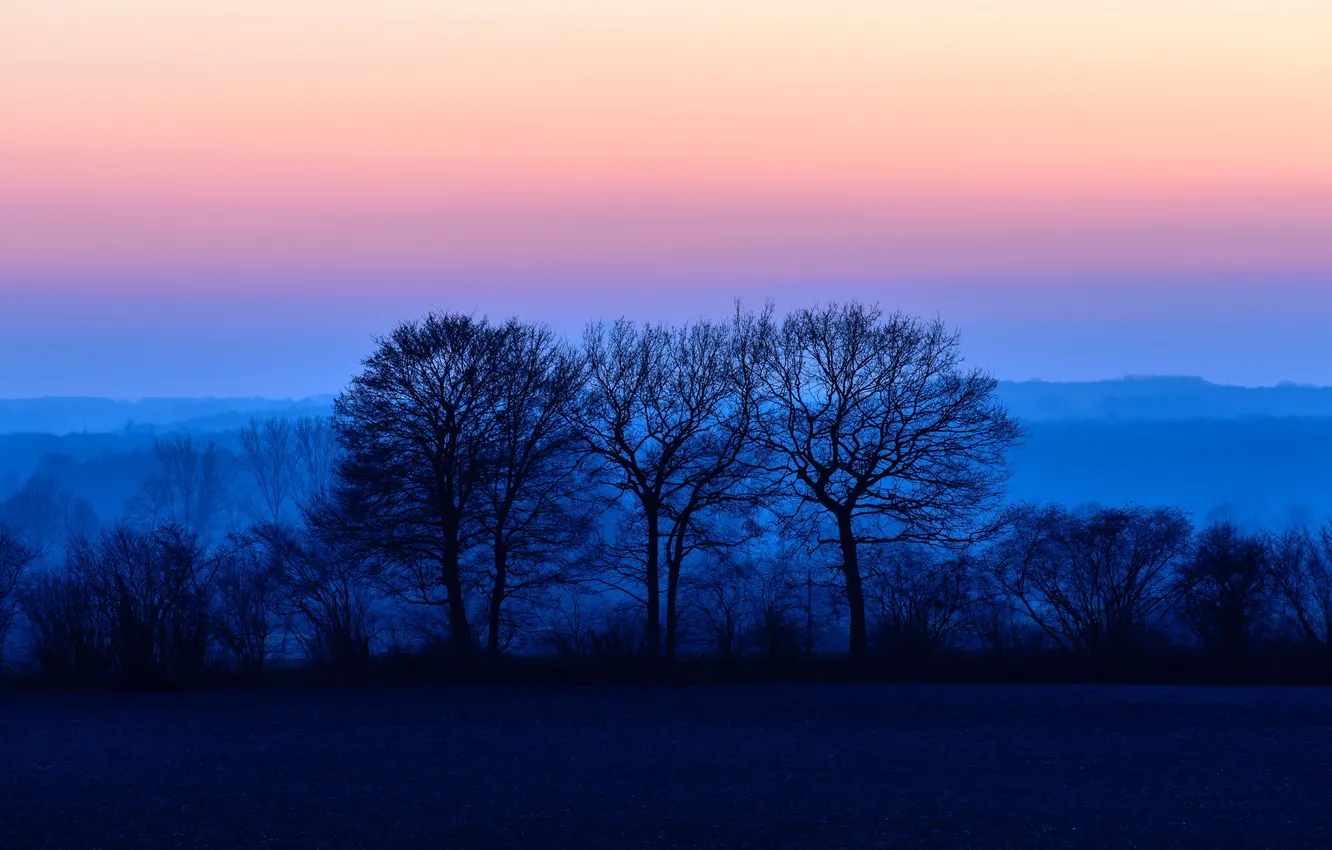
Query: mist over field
x=1253 y=455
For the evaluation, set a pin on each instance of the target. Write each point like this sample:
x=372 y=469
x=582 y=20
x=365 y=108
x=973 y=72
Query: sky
x=231 y=197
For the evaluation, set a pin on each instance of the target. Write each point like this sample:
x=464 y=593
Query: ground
x=754 y=766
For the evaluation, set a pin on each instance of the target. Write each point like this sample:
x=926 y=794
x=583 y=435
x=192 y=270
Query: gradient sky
x=1087 y=188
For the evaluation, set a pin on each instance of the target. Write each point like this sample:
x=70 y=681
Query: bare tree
x=1301 y=569
x=416 y=427
x=1224 y=589
x=154 y=589
x=269 y=455
x=35 y=515
x=248 y=588
x=14 y=561
x=722 y=594
x=880 y=434
x=71 y=633
x=923 y=599
x=1096 y=582
x=317 y=454
x=668 y=414
x=535 y=518
x=326 y=597
x=189 y=488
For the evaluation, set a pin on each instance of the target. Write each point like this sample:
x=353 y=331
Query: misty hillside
x=104 y=416
x=1263 y=455
x=1160 y=398
x=1031 y=401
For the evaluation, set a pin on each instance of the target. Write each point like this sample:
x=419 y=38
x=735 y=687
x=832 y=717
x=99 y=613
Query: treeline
x=741 y=491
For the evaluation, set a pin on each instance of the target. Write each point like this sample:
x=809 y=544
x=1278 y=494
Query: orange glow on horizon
x=752 y=137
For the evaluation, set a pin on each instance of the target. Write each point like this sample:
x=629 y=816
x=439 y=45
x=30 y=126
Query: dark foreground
x=760 y=766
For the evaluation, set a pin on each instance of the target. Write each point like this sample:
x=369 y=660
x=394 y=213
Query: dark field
x=761 y=766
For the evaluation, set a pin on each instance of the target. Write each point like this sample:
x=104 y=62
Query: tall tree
x=534 y=477
x=416 y=426
x=667 y=412
x=880 y=433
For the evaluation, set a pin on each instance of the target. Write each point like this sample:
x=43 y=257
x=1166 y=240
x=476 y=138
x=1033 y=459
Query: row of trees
x=1116 y=585
x=842 y=426
x=727 y=487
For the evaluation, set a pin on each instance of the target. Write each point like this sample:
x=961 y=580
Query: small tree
x=923 y=599
x=14 y=560
x=1224 y=588
x=71 y=633
x=1094 y=582
x=35 y=515
x=248 y=588
x=189 y=488
x=153 y=588
x=269 y=456
x=326 y=598
x=722 y=594
x=1301 y=570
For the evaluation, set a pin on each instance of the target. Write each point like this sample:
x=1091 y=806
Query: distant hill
x=106 y=416
x=1160 y=398
x=1034 y=401
x=1261 y=455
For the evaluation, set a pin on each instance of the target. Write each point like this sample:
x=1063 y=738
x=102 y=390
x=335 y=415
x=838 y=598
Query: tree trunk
x=653 y=636
x=855 y=590
x=672 y=614
x=460 y=630
x=497 y=596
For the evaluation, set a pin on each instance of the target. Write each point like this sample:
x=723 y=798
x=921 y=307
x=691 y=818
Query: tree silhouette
x=14 y=561
x=1301 y=570
x=1095 y=582
x=415 y=427
x=668 y=413
x=534 y=475
x=1224 y=589
x=268 y=454
x=880 y=434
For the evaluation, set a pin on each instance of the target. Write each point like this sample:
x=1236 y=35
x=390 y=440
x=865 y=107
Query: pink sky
x=583 y=156
x=182 y=144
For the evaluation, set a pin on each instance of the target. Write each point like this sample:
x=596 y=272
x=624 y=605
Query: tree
x=1224 y=589
x=248 y=587
x=1095 y=582
x=879 y=434
x=325 y=596
x=923 y=599
x=722 y=594
x=268 y=453
x=189 y=488
x=415 y=427
x=534 y=475
x=35 y=515
x=1301 y=570
x=667 y=413
x=14 y=561
x=317 y=455
x=153 y=590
